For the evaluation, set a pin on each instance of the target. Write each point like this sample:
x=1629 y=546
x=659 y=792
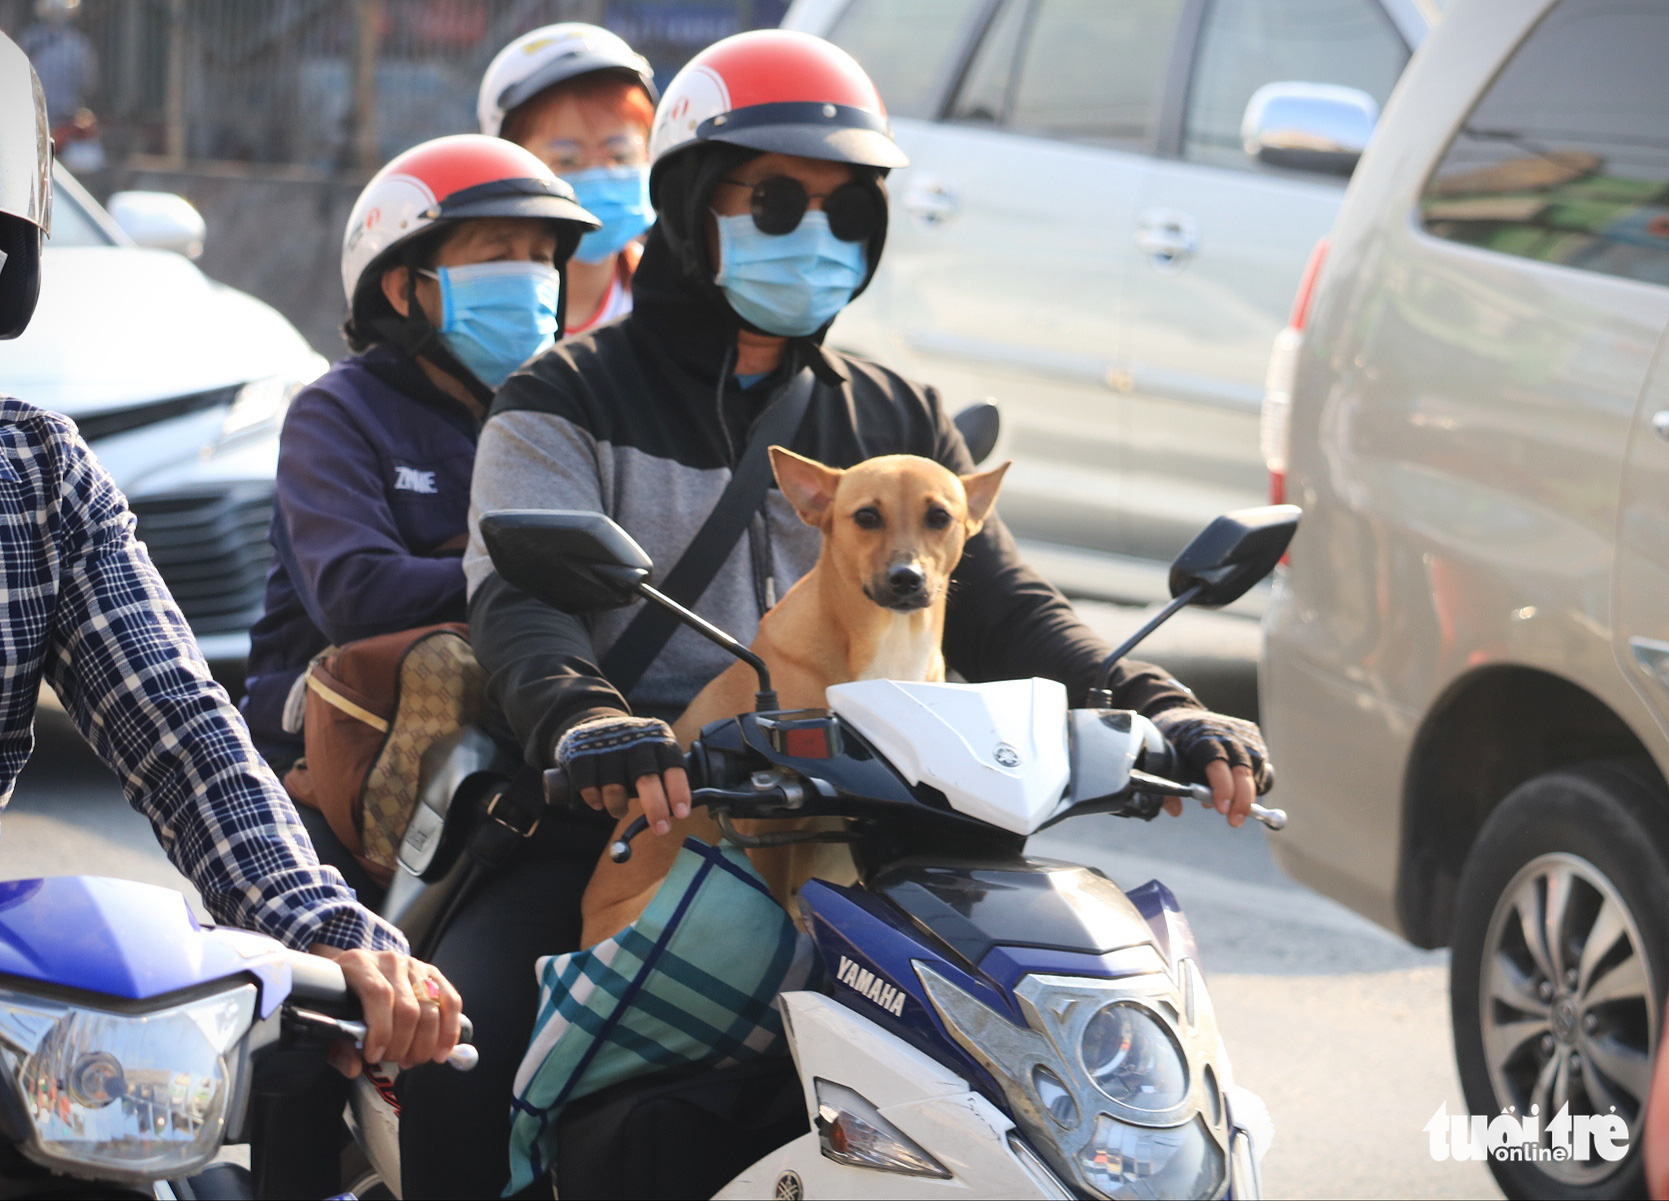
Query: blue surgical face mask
x=619 y=198
x=790 y=284
x=497 y=316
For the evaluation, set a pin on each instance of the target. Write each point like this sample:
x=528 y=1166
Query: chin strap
x=417 y=337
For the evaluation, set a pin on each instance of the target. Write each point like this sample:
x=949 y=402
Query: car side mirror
x=1317 y=127
x=1232 y=553
x=576 y=562
x=160 y=221
x=979 y=424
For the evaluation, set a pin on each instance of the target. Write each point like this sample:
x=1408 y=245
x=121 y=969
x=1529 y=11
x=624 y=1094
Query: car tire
x=1594 y=837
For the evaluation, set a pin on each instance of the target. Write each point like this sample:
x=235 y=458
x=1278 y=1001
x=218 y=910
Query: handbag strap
x=652 y=626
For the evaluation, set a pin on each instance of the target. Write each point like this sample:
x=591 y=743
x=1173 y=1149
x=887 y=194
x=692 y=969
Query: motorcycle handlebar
x=316 y=981
x=1156 y=785
x=1165 y=766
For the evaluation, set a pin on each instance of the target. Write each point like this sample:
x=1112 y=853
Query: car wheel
x=1560 y=956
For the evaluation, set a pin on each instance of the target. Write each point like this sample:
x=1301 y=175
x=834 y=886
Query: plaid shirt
x=82 y=606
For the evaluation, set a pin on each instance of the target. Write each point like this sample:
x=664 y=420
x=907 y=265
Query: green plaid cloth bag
x=693 y=980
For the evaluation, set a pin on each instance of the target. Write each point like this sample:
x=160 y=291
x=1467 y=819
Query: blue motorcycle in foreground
x=132 y=1038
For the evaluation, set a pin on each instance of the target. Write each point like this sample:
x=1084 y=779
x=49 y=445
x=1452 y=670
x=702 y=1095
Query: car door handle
x=1168 y=237
x=1652 y=656
x=931 y=200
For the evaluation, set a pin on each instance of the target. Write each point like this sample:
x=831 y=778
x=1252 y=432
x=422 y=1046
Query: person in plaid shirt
x=82 y=608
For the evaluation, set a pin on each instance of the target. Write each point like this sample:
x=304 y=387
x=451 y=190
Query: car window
x=71 y=226
x=1091 y=70
x=906 y=48
x=1245 y=44
x=986 y=87
x=1566 y=156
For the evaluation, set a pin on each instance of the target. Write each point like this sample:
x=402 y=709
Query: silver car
x=179 y=384
x=1466 y=681
x=1107 y=208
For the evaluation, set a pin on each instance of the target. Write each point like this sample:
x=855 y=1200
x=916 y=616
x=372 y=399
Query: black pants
x=455 y=1126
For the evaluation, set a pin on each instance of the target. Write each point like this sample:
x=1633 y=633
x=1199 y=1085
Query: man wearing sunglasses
x=768 y=154
x=767 y=160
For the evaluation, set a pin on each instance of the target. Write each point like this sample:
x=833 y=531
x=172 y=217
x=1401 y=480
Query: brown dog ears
x=981 y=489
x=810 y=487
x=808 y=484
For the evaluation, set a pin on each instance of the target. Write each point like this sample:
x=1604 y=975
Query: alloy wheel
x=1568 y=1013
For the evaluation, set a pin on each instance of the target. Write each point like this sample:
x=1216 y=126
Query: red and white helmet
x=776 y=90
x=448 y=179
x=551 y=55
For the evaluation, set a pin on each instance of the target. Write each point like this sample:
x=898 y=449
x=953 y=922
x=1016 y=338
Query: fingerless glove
x=617 y=750
x=1203 y=737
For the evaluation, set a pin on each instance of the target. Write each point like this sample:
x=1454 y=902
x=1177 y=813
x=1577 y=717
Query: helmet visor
x=571 y=67
x=25 y=140
x=835 y=132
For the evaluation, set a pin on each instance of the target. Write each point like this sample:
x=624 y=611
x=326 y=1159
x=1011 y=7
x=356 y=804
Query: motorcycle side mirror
x=576 y=562
x=1233 y=553
x=585 y=563
x=979 y=424
x=1219 y=566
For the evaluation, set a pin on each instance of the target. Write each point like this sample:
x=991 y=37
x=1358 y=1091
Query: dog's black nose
x=906 y=579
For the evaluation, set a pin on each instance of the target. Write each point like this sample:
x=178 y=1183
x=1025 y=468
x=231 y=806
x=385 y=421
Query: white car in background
x=1107 y=211
x=178 y=383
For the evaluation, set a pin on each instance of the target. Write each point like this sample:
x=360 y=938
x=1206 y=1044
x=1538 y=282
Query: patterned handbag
x=372 y=708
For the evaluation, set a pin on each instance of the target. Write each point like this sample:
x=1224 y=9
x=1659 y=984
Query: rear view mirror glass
x=576 y=562
x=1234 y=552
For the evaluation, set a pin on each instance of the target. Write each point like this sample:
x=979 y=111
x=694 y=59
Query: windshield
x=72 y=224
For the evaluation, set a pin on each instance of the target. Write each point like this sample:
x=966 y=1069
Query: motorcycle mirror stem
x=1218 y=567
x=765 y=699
x=1102 y=697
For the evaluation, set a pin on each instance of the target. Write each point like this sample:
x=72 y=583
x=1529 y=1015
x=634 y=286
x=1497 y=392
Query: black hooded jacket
x=643 y=420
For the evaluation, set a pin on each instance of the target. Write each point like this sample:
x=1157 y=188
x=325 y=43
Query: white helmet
x=549 y=55
x=25 y=187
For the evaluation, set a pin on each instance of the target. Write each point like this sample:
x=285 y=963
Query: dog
x=872 y=607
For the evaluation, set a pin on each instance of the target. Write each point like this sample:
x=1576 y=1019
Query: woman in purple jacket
x=453 y=263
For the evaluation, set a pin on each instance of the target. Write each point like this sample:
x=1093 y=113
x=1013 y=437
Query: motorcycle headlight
x=1109 y=1078
x=1134 y=1059
x=1122 y=1161
x=137 y=1096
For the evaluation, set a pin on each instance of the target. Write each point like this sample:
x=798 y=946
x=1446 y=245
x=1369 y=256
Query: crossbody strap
x=647 y=633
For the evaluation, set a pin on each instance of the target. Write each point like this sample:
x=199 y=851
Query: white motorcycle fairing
x=974 y=1140
x=997 y=751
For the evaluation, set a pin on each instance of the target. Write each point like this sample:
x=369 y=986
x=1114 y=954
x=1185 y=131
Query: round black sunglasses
x=778 y=202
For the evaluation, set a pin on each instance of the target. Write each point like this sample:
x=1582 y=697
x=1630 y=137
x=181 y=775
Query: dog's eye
x=868 y=518
x=937 y=518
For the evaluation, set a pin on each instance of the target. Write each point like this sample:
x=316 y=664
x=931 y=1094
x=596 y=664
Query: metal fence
x=328 y=85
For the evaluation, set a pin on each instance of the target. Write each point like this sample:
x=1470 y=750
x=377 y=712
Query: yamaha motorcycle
x=992 y=1022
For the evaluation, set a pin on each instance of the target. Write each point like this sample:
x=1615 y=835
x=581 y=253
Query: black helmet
x=25 y=187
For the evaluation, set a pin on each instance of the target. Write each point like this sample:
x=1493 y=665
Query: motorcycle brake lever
x=786 y=793
x=1272 y=818
x=464 y=1056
